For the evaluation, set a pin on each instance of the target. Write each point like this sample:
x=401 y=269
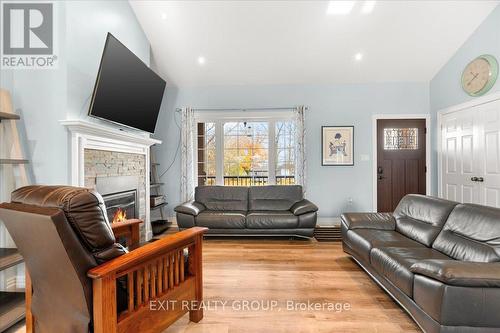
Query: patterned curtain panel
x=188 y=139
x=300 y=148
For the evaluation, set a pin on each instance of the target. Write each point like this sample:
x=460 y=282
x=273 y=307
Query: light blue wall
x=44 y=97
x=329 y=187
x=88 y=23
x=446 y=89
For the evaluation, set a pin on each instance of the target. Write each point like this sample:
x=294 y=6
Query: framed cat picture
x=337 y=145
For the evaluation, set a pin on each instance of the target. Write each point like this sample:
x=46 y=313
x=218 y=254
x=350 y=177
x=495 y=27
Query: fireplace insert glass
x=121 y=205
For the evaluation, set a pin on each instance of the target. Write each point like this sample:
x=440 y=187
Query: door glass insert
x=400 y=138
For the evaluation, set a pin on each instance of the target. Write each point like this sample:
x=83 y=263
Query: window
x=240 y=152
x=400 y=138
x=246 y=153
x=285 y=153
x=206 y=153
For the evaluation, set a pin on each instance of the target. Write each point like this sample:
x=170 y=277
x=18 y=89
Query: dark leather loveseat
x=258 y=210
x=439 y=259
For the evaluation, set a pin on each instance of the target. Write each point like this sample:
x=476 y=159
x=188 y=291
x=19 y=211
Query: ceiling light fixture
x=201 y=60
x=340 y=7
x=163 y=16
x=358 y=56
x=368 y=7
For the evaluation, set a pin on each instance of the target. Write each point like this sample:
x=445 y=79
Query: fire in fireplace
x=120 y=194
x=119 y=216
x=121 y=206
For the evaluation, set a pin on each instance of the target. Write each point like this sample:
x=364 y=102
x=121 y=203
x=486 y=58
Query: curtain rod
x=245 y=109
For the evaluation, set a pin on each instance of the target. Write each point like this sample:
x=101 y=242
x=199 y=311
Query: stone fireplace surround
x=100 y=150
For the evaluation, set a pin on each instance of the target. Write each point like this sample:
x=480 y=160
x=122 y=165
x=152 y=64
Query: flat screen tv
x=126 y=91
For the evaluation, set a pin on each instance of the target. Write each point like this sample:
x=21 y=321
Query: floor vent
x=327 y=233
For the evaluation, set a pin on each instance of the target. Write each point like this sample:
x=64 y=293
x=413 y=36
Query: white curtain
x=188 y=139
x=300 y=146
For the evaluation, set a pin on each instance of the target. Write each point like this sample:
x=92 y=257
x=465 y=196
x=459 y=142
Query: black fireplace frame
x=114 y=187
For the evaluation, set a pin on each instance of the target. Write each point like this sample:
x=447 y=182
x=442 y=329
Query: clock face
x=479 y=75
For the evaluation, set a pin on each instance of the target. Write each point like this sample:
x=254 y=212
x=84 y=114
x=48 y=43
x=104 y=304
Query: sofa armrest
x=380 y=221
x=460 y=273
x=191 y=208
x=302 y=207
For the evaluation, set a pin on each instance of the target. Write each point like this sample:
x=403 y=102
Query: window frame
x=221 y=117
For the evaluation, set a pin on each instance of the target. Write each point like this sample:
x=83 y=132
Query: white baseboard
x=329 y=220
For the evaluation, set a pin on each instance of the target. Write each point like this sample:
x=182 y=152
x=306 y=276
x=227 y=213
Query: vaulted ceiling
x=199 y=43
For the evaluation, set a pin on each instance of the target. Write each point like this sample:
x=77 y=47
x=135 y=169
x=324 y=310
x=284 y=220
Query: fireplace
x=120 y=196
x=121 y=206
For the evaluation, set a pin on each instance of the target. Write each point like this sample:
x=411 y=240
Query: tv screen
x=126 y=91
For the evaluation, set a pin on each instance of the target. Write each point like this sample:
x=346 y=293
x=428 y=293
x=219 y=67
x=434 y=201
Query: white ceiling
x=297 y=42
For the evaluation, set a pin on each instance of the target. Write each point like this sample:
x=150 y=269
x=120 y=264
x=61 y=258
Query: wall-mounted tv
x=126 y=91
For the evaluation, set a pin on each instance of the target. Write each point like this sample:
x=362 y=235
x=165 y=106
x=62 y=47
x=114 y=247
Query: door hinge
x=425 y=169
x=425 y=130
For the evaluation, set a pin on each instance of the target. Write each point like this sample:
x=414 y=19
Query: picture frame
x=337 y=145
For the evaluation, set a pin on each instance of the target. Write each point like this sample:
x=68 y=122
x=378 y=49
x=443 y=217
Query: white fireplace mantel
x=89 y=135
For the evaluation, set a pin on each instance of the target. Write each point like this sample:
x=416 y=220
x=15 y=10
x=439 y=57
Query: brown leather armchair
x=81 y=280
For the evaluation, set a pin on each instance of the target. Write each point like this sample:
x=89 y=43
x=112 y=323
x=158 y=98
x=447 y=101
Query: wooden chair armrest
x=146 y=253
x=129 y=230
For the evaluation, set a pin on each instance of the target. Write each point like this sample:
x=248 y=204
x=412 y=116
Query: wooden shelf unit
x=9 y=257
x=8 y=116
x=12 y=309
x=12 y=302
x=13 y=161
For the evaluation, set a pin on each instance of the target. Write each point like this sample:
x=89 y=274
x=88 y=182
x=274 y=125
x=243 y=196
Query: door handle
x=380 y=177
x=480 y=179
x=474 y=179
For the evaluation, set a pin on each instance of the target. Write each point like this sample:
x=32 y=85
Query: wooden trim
x=128 y=229
x=151 y=318
x=105 y=317
x=155 y=274
x=146 y=253
x=196 y=269
x=30 y=328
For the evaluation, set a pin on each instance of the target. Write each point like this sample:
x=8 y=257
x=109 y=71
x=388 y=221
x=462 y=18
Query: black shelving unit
x=161 y=225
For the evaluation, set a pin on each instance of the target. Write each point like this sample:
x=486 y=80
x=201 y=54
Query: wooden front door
x=401 y=164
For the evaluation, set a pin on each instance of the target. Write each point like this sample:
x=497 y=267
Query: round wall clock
x=480 y=75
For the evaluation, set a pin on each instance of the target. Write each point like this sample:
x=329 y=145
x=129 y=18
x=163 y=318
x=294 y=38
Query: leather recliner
x=439 y=259
x=81 y=280
x=258 y=210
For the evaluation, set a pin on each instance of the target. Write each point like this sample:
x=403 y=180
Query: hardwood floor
x=298 y=271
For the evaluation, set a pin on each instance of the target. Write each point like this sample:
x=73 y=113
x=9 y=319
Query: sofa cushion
x=222 y=198
x=221 y=220
x=274 y=198
x=363 y=240
x=281 y=219
x=472 y=233
x=380 y=221
x=394 y=264
x=421 y=217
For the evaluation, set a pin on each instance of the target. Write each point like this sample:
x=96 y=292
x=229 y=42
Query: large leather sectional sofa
x=438 y=259
x=258 y=210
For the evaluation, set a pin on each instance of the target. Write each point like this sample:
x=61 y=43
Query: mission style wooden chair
x=81 y=280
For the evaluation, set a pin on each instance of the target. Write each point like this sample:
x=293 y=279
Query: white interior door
x=489 y=164
x=459 y=156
